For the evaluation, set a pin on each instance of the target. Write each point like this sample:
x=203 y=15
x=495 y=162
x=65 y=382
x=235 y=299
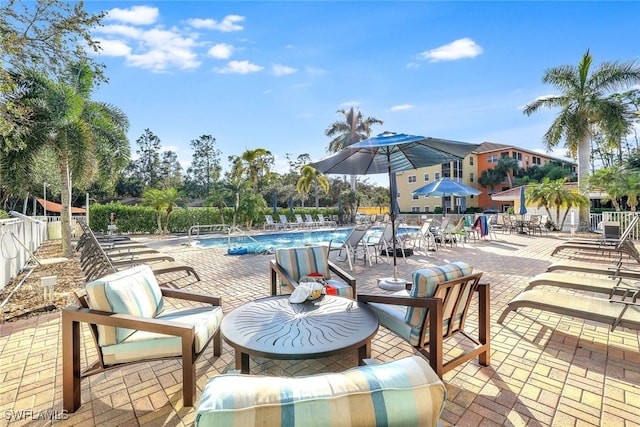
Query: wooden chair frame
x=447 y=295
x=72 y=316
x=278 y=272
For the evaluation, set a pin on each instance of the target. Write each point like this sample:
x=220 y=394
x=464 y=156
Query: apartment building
x=466 y=171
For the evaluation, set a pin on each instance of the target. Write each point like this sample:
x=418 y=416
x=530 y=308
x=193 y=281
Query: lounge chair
x=616 y=269
x=269 y=223
x=284 y=222
x=351 y=245
x=291 y=264
x=623 y=245
x=125 y=312
x=326 y=222
x=616 y=311
x=299 y=221
x=309 y=221
x=435 y=308
x=423 y=237
x=383 y=244
x=582 y=283
x=604 y=240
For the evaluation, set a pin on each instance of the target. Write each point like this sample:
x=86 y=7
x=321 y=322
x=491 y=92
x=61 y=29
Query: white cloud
x=282 y=70
x=413 y=65
x=136 y=15
x=228 y=24
x=239 y=67
x=155 y=49
x=221 y=51
x=459 y=49
x=402 y=107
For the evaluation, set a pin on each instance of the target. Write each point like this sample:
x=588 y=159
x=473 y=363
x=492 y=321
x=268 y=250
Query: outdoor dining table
x=275 y=328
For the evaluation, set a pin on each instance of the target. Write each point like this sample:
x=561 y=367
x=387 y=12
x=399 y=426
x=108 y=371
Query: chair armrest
x=97 y=317
x=346 y=277
x=278 y=271
x=400 y=300
x=190 y=296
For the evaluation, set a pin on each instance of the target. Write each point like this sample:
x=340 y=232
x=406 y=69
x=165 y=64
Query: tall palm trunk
x=584 y=154
x=65 y=211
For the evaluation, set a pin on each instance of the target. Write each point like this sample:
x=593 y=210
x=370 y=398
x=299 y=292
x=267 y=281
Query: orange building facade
x=467 y=172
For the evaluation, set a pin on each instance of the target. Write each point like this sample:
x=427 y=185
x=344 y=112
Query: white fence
x=18 y=237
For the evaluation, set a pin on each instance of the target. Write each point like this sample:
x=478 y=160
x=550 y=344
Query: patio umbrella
x=291 y=211
x=446 y=187
x=275 y=204
x=523 y=205
x=392 y=152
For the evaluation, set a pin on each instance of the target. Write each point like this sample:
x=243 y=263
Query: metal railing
x=19 y=239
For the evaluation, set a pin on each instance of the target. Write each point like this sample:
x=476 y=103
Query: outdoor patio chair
x=535 y=224
x=620 y=309
x=284 y=222
x=326 y=222
x=299 y=221
x=423 y=237
x=309 y=221
x=434 y=308
x=269 y=224
x=127 y=318
x=291 y=264
x=351 y=246
x=597 y=284
x=440 y=231
x=611 y=269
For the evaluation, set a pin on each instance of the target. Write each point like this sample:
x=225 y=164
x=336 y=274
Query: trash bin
x=611 y=229
x=54 y=230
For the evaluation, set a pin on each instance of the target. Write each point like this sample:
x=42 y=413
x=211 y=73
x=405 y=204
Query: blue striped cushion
x=342 y=288
x=405 y=392
x=299 y=262
x=132 y=291
x=149 y=345
x=424 y=284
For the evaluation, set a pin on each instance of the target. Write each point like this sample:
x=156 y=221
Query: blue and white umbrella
x=446 y=187
x=392 y=152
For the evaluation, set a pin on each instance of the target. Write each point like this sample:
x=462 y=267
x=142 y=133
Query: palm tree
x=256 y=163
x=490 y=178
x=312 y=178
x=354 y=128
x=88 y=138
x=156 y=199
x=585 y=109
x=505 y=166
x=549 y=194
x=606 y=180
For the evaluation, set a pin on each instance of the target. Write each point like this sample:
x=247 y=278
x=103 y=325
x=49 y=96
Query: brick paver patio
x=545 y=369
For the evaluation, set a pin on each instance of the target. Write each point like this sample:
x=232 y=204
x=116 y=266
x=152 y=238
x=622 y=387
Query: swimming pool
x=268 y=242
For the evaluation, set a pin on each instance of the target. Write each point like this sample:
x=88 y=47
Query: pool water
x=268 y=242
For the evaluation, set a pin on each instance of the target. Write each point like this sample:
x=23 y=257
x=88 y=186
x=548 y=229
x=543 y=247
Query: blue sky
x=272 y=74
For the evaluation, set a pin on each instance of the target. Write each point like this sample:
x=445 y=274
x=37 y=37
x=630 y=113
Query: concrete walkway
x=545 y=369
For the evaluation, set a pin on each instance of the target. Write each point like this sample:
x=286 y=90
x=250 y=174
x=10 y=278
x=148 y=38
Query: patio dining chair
x=535 y=224
x=351 y=246
x=127 y=316
x=434 y=307
x=292 y=264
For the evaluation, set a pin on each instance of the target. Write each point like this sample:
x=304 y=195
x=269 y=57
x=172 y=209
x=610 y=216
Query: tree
x=605 y=180
x=505 y=167
x=550 y=194
x=205 y=167
x=149 y=158
x=490 y=178
x=156 y=200
x=88 y=138
x=45 y=36
x=354 y=128
x=312 y=178
x=170 y=170
x=585 y=109
x=257 y=165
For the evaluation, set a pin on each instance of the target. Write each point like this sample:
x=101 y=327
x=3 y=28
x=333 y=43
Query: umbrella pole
x=393 y=224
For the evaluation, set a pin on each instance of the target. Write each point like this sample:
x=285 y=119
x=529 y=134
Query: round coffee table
x=277 y=329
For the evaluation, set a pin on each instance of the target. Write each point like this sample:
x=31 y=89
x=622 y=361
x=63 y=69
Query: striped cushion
x=342 y=288
x=424 y=285
x=299 y=262
x=132 y=291
x=148 y=345
x=405 y=392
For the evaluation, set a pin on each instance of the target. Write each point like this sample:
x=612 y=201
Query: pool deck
x=545 y=369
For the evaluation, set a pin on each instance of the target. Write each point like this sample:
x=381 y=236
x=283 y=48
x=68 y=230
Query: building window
x=436 y=176
x=471 y=161
x=505 y=154
x=492 y=159
x=446 y=170
x=471 y=177
x=415 y=209
x=535 y=160
x=415 y=197
x=411 y=179
x=426 y=209
x=457 y=169
x=426 y=177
